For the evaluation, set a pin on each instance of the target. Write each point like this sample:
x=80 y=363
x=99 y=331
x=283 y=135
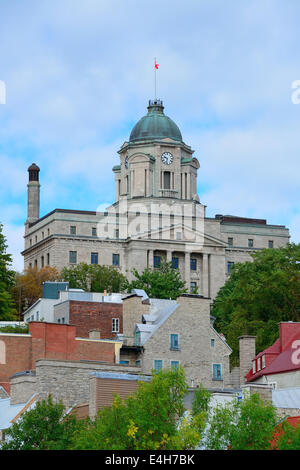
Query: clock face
x=126 y=162
x=167 y=158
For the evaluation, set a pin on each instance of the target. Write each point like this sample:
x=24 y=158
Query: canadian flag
x=156 y=64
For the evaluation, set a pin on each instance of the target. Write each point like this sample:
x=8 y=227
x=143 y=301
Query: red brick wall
x=17 y=355
x=87 y=316
x=49 y=341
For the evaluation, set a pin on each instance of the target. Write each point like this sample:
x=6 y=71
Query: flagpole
x=155 y=79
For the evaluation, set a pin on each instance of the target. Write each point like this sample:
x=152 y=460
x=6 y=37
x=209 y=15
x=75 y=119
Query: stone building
x=157 y=214
x=161 y=334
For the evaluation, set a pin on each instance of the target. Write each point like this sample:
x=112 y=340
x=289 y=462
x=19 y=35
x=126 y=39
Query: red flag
x=156 y=65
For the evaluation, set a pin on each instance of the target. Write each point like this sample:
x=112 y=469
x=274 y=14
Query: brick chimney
x=247 y=354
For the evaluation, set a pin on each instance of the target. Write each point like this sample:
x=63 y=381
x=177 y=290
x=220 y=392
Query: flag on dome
x=156 y=64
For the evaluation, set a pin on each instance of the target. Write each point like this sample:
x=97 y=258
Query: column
x=205 y=273
x=188 y=189
x=169 y=256
x=150 y=258
x=187 y=269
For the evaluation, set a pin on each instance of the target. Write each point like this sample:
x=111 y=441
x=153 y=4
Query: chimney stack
x=247 y=354
x=33 y=194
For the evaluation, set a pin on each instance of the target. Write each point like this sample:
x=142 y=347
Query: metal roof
x=286 y=398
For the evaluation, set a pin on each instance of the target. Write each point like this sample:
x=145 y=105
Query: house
x=279 y=364
x=87 y=310
x=161 y=333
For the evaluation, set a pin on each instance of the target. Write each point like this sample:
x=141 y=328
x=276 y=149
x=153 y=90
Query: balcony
x=168 y=193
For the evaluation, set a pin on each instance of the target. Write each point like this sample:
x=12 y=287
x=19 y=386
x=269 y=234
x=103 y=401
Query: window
x=48 y=230
x=271 y=244
x=125 y=363
x=174 y=342
x=72 y=230
x=63 y=320
x=158 y=364
x=30 y=241
x=263 y=361
x=48 y=258
x=174 y=365
x=35 y=239
x=212 y=343
x=230 y=241
x=42 y=261
x=258 y=364
x=94 y=231
x=193 y=264
x=37 y=316
x=230 y=265
x=138 y=363
x=116 y=259
x=35 y=263
x=94 y=258
x=117 y=233
x=174 y=262
x=156 y=261
x=250 y=243
x=73 y=257
x=137 y=338
x=115 y=325
x=217 y=372
x=193 y=287
x=167 y=180
x=43 y=235
x=253 y=367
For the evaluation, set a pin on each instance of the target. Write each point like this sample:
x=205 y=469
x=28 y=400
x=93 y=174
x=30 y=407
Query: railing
x=168 y=192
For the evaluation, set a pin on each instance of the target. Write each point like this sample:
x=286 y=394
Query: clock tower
x=155 y=162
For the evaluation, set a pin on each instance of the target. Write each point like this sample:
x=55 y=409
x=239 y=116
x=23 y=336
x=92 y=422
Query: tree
x=153 y=418
x=245 y=425
x=163 y=282
x=288 y=436
x=258 y=295
x=28 y=286
x=44 y=427
x=94 y=277
x=7 y=307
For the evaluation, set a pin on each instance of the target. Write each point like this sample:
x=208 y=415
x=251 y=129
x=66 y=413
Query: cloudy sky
x=79 y=73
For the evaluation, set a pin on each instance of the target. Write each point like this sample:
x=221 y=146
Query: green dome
x=155 y=125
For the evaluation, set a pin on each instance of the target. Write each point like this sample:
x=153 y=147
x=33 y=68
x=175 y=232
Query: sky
x=78 y=75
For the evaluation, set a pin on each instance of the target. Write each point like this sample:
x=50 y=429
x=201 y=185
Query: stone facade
x=70 y=381
x=200 y=346
x=157 y=213
x=247 y=354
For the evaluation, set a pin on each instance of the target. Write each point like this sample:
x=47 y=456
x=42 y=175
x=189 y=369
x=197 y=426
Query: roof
x=155 y=125
x=10 y=413
x=283 y=355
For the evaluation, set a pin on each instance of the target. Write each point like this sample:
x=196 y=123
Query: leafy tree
x=94 y=277
x=153 y=418
x=7 y=307
x=44 y=427
x=28 y=286
x=258 y=295
x=245 y=425
x=163 y=282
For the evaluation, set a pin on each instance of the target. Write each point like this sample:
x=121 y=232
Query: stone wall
x=22 y=388
x=69 y=381
x=196 y=353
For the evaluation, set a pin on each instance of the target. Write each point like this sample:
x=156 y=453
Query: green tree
x=7 y=306
x=258 y=295
x=44 y=427
x=163 y=282
x=94 y=277
x=153 y=418
x=245 y=425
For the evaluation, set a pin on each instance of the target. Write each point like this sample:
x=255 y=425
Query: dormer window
x=263 y=362
x=258 y=364
x=253 y=367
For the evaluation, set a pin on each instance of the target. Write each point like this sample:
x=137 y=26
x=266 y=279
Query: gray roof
x=9 y=412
